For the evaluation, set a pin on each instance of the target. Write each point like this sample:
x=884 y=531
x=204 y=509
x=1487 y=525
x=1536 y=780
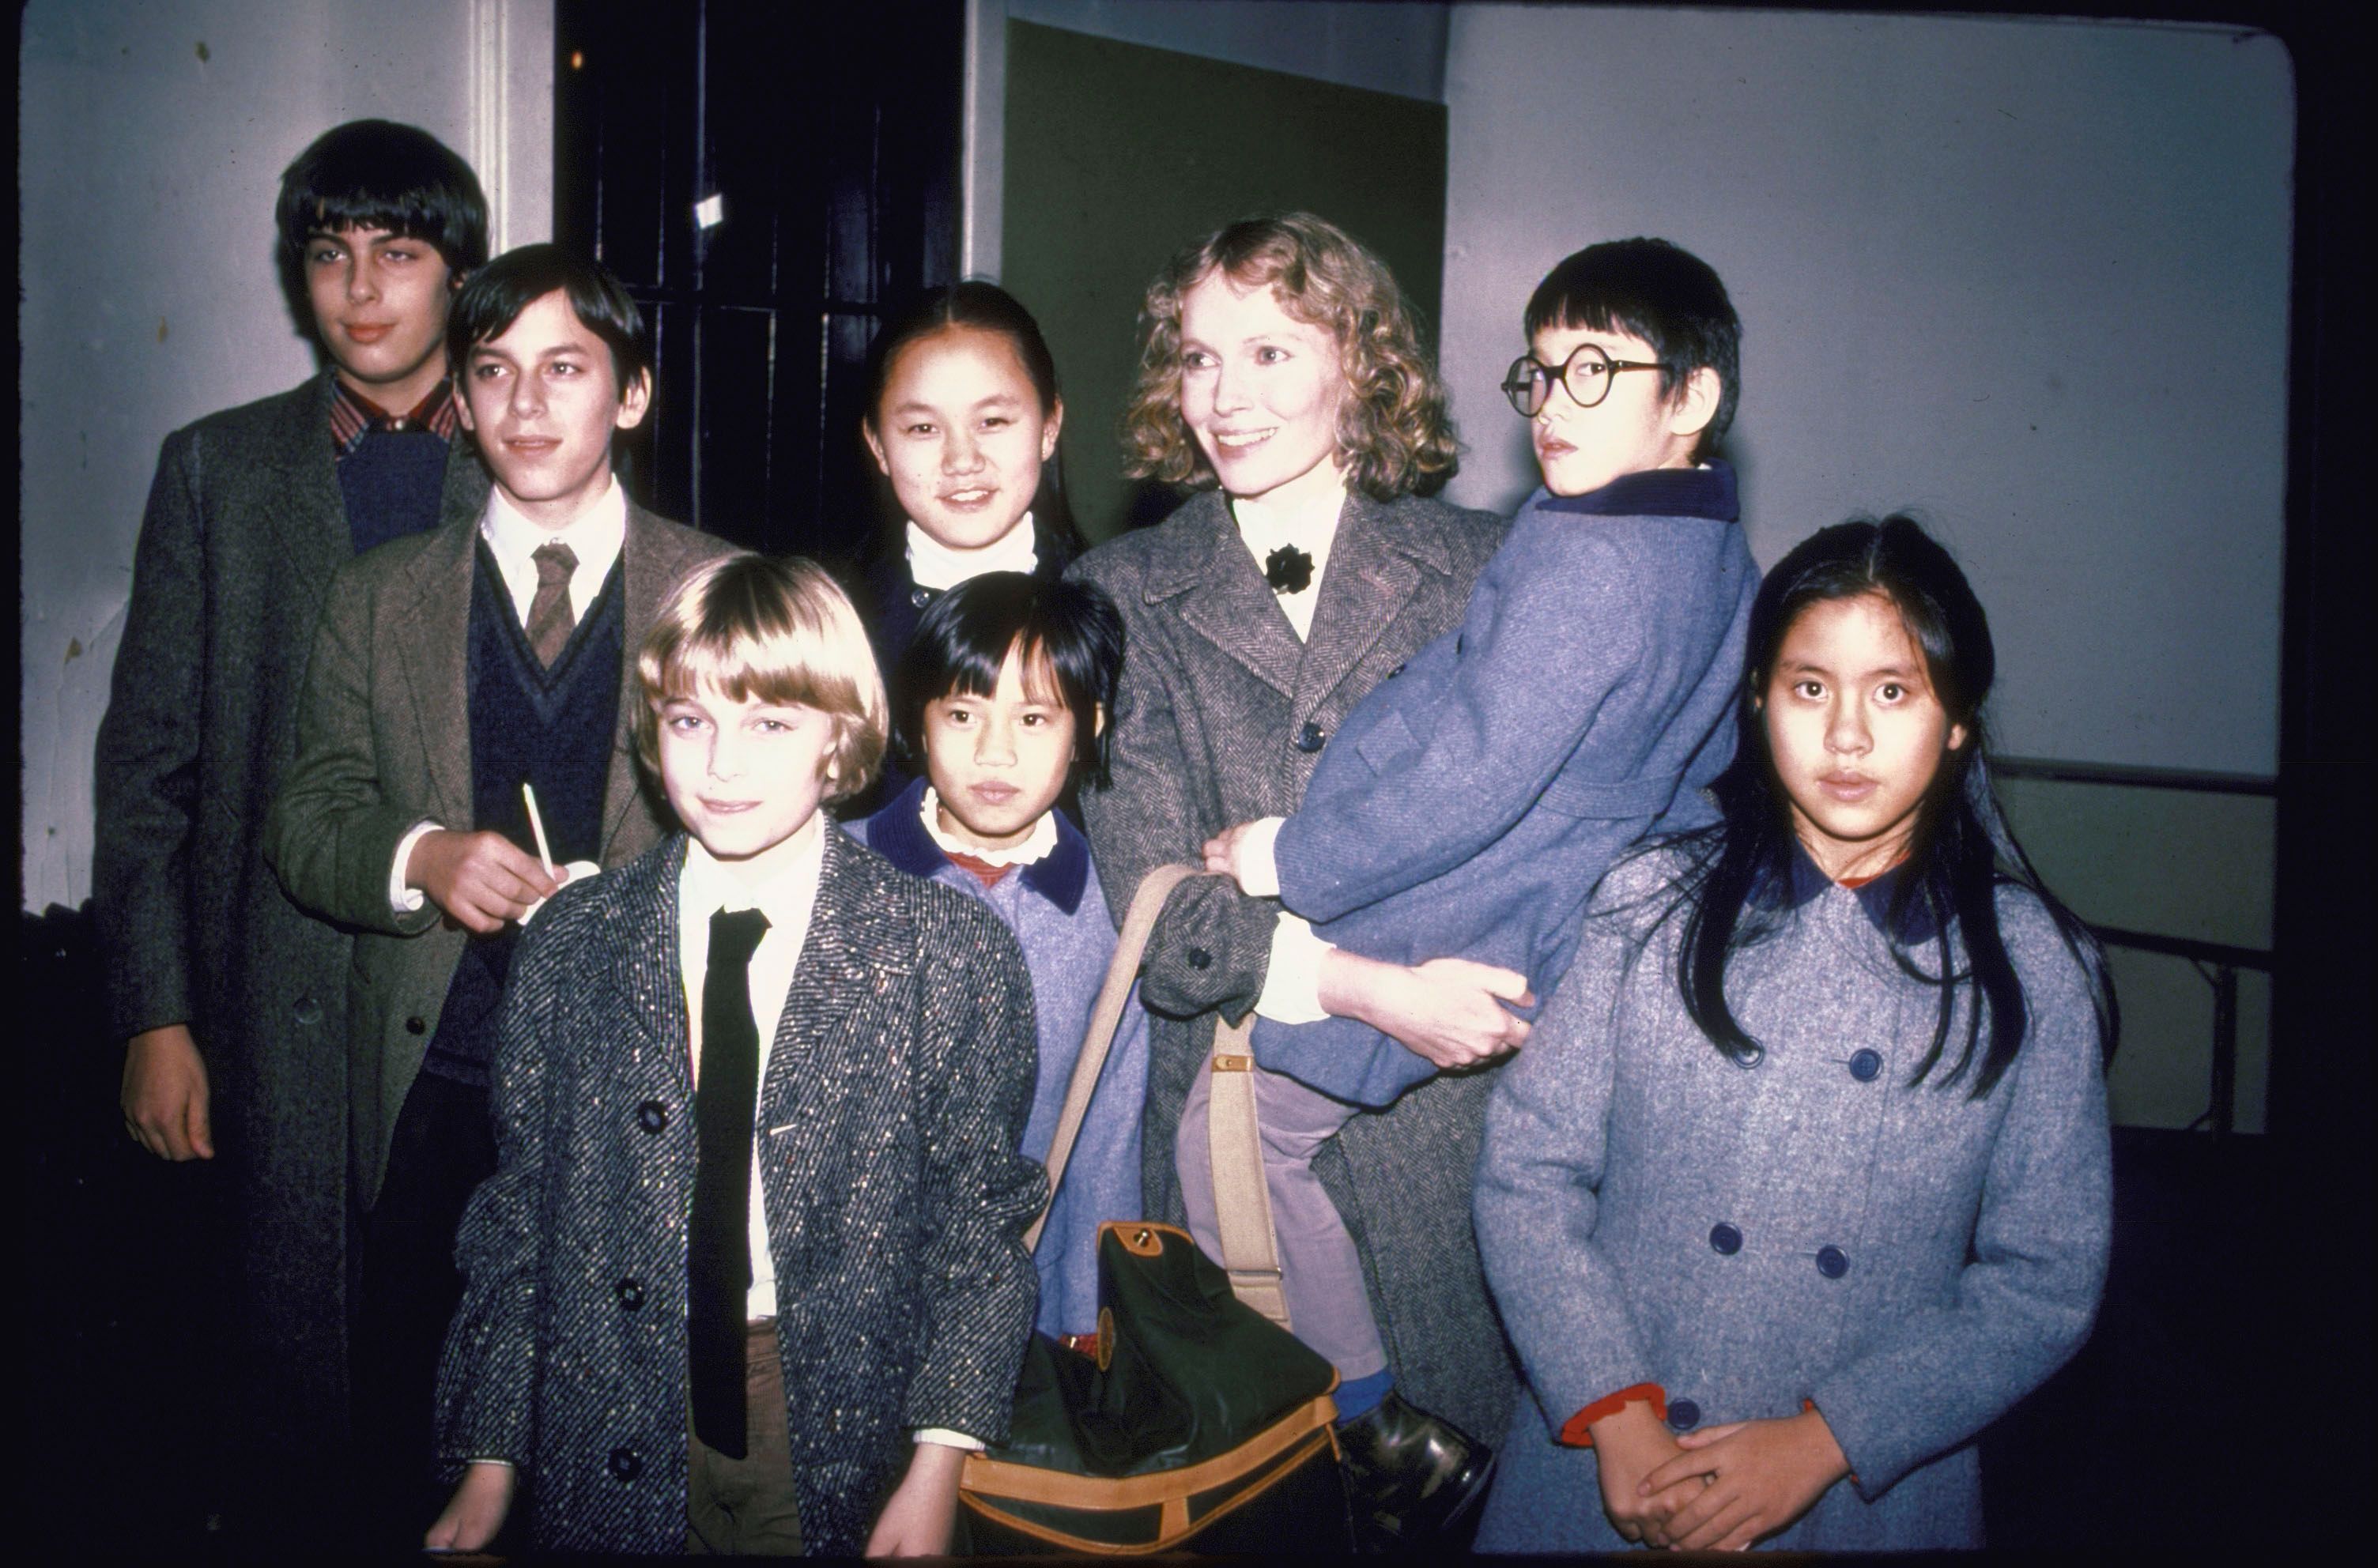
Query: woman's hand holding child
x=1449 y=1010
x=1244 y=855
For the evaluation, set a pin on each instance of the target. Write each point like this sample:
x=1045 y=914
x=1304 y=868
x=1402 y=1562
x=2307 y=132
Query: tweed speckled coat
x=244 y=530
x=384 y=742
x=894 y=1098
x=1808 y=1226
x=1221 y=718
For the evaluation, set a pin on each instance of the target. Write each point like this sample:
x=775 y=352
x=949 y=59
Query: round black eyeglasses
x=1586 y=373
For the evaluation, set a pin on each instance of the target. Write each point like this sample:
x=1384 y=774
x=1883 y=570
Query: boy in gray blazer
x=228 y=996
x=451 y=670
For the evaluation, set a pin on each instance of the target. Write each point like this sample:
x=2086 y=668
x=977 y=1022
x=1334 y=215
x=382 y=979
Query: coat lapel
x=650 y=565
x=301 y=500
x=1375 y=563
x=433 y=652
x=843 y=957
x=647 y=980
x=1223 y=598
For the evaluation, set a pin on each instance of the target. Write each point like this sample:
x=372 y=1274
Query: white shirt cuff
x=948 y=1439
x=1291 y=992
x=402 y=897
x=1258 y=866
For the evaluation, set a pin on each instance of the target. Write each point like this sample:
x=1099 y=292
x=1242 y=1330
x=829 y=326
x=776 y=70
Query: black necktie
x=718 y=1249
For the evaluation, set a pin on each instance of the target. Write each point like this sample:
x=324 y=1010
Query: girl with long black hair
x=1803 y=1178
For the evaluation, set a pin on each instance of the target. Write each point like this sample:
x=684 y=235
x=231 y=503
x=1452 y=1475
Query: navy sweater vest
x=553 y=729
x=394 y=484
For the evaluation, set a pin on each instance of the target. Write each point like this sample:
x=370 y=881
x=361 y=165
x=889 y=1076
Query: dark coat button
x=652 y=1116
x=631 y=1293
x=1684 y=1415
x=1864 y=1065
x=416 y=1027
x=920 y=597
x=1751 y=1056
x=1396 y=671
x=1310 y=737
x=1724 y=1239
x=626 y=1464
x=1832 y=1263
x=1200 y=959
x=309 y=1010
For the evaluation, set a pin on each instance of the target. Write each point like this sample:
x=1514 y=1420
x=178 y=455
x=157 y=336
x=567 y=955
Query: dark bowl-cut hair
x=964 y=637
x=380 y=174
x=498 y=291
x=1662 y=294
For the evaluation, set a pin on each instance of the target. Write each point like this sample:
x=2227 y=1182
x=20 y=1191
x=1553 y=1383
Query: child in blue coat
x=1804 y=1179
x=1469 y=805
x=1001 y=699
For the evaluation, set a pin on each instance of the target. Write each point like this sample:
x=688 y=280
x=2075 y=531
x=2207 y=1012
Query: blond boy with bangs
x=826 y=1063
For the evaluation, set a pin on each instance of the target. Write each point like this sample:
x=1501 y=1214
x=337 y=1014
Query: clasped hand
x=1754 y=1479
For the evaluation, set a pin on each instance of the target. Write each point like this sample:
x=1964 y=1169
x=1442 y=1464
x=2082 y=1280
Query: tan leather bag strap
x=1106 y=1017
x=1250 y=1250
x=1242 y=1200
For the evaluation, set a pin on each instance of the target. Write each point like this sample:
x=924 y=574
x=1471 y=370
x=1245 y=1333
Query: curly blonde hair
x=1394 y=432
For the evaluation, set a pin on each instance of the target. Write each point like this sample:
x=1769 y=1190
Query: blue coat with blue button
x=890 y=1109
x=1468 y=806
x=1807 y=1226
x=1059 y=916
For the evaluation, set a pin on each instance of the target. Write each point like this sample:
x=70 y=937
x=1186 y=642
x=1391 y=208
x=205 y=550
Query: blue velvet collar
x=897 y=833
x=1659 y=492
x=1804 y=883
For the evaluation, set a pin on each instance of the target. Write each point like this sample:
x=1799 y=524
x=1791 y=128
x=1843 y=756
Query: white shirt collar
x=1042 y=839
x=707 y=885
x=1306 y=520
x=934 y=565
x=596 y=536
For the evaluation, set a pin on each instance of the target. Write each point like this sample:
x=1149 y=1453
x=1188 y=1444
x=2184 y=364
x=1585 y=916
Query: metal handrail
x=2216 y=962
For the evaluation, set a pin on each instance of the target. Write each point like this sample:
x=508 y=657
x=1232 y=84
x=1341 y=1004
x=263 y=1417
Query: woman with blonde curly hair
x=1282 y=381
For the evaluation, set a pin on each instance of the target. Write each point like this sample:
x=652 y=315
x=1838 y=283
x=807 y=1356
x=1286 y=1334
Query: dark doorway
x=760 y=177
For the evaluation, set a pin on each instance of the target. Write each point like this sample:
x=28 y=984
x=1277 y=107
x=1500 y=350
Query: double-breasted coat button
x=1832 y=1263
x=1310 y=737
x=631 y=1293
x=308 y=1009
x=653 y=1116
x=1864 y=1065
x=1200 y=959
x=416 y=1027
x=625 y=1464
x=1724 y=1239
x=920 y=597
x=1684 y=1415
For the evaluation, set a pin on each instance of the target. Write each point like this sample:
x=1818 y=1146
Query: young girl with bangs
x=1802 y=1179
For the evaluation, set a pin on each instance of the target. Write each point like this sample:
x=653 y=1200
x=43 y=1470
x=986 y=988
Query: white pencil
x=537 y=826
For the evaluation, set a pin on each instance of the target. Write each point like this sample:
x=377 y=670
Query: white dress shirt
x=596 y=536
x=788 y=899
x=1307 y=522
x=940 y=567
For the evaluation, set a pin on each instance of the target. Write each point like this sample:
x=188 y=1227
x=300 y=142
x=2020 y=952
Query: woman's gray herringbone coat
x=1805 y=1225
x=1221 y=718
x=893 y=1099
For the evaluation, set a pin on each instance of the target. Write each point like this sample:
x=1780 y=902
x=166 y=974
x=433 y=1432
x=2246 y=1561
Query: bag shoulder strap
x=1243 y=1202
x=1106 y=1017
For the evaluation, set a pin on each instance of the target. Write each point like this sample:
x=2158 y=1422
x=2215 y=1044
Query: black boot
x=1411 y=1481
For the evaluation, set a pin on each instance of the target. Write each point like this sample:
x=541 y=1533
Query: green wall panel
x=1117 y=155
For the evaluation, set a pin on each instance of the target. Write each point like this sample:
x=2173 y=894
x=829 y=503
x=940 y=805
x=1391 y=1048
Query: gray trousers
x=1320 y=1271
